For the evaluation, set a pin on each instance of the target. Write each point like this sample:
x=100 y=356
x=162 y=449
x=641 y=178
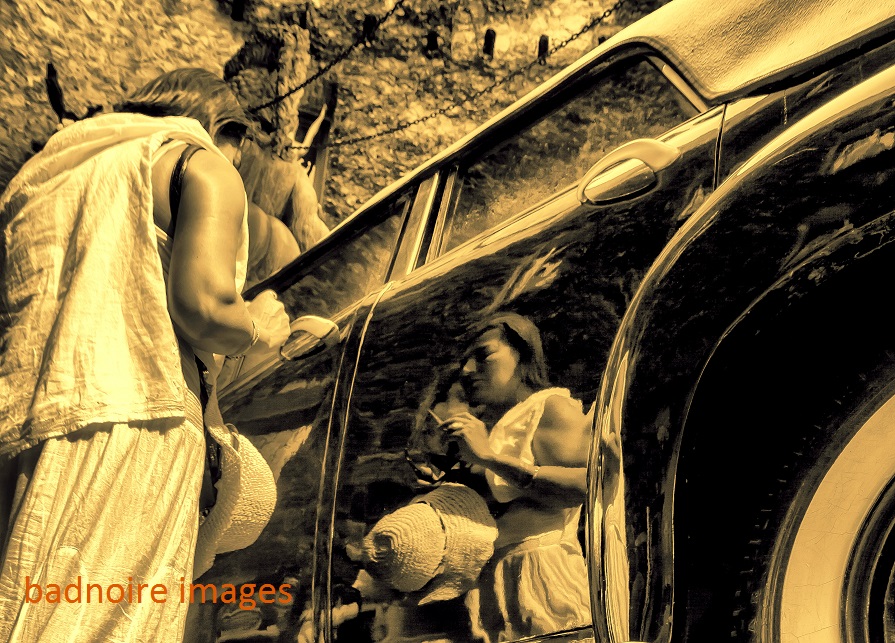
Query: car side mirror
x=310 y=335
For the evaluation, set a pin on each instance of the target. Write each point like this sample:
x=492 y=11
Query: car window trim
x=346 y=233
x=411 y=240
x=447 y=199
x=411 y=199
x=678 y=83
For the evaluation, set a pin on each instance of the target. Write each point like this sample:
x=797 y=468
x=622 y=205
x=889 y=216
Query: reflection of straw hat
x=246 y=495
x=437 y=545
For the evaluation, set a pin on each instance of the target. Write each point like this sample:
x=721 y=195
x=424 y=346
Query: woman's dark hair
x=520 y=333
x=195 y=93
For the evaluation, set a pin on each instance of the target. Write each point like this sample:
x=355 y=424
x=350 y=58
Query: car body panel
x=291 y=415
x=335 y=423
x=817 y=187
x=571 y=267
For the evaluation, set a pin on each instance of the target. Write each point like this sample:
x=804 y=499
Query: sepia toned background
x=427 y=56
x=736 y=293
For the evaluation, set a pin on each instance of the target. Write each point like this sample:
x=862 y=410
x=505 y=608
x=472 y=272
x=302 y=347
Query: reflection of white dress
x=112 y=504
x=537 y=585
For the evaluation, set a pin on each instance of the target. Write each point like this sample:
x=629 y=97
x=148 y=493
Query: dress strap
x=175 y=190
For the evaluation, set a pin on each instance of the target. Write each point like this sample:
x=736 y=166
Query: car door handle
x=310 y=335
x=627 y=170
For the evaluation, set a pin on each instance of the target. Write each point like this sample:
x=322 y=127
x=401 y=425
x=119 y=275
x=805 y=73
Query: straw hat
x=436 y=546
x=246 y=495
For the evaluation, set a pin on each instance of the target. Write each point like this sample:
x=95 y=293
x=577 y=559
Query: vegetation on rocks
x=102 y=50
x=423 y=62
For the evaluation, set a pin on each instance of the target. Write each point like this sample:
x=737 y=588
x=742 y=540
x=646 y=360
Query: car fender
x=814 y=201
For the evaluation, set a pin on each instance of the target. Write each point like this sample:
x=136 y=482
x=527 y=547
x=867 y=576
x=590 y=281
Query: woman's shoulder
x=210 y=179
x=555 y=400
x=561 y=407
x=207 y=165
x=563 y=433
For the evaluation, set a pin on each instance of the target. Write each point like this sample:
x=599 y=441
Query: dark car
x=698 y=218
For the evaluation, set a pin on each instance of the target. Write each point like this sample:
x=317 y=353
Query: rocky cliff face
x=429 y=60
x=429 y=56
x=102 y=50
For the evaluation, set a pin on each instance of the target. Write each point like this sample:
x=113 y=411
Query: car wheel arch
x=686 y=309
x=726 y=462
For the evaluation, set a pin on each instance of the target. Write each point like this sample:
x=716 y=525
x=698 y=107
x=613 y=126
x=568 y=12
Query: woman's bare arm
x=202 y=298
x=560 y=447
x=563 y=434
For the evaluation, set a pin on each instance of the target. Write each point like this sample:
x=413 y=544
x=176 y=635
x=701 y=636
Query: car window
x=631 y=100
x=331 y=277
x=351 y=268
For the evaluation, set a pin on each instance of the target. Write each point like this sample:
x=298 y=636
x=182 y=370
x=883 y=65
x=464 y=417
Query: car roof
x=725 y=49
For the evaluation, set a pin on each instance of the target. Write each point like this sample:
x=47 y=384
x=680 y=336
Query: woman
x=112 y=285
x=530 y=442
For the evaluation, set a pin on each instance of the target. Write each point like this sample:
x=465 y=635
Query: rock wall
x=426 y=61
x=428 y=57
x=102 y=50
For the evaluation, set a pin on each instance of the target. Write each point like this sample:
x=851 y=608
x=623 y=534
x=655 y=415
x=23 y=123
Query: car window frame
x=346 y=232
x=526 y=118
x=440 y=216
x=411 y=240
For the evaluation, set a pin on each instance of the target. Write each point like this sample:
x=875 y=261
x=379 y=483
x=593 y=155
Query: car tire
x=802 y=548
x=830 y=572
x=785 y=507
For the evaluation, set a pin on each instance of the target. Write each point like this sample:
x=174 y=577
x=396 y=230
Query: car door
x=288 y=405
x=555 y=216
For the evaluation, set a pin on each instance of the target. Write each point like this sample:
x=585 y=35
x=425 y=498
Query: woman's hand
x=471 y=436
x=271 y=319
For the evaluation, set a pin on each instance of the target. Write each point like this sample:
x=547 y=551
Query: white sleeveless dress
x=536 y=584
x=81 y=514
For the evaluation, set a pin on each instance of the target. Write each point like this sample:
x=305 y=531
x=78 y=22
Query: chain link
x=342 y=55
x=402 y=125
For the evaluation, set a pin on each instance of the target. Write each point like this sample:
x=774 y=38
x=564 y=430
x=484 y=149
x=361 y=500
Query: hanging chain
x=402 y=125
x=342 y=55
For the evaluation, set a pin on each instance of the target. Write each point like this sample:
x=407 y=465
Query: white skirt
x=535 y=587
x=111 y=505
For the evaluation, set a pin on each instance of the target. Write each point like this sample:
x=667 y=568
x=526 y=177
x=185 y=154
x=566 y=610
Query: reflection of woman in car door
x=530 y=442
